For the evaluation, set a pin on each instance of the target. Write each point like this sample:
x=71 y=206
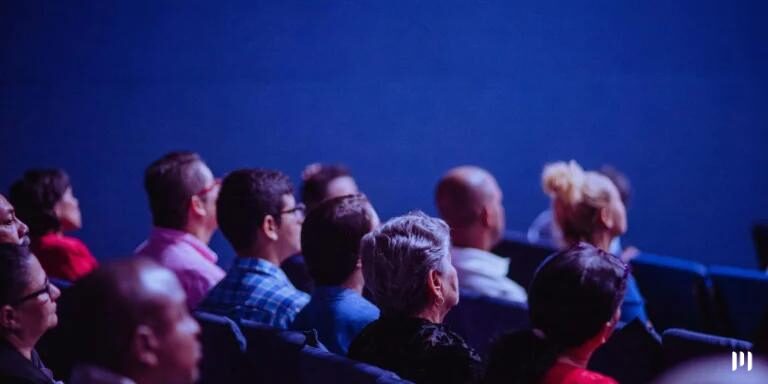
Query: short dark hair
x=573 y=294
x=14 y=272
x=246 y=197
x=314 y=189
x=330 y=237
x=170 y=182
x=34 y=197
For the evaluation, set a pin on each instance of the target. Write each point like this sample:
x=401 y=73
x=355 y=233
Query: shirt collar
x=259 y=265
x=175 y=235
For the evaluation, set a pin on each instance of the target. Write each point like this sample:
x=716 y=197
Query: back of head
x=460 y=194
x=577 y=197
x=14 y=266
x=170 y=182
x=620 y=180
x=105 y=308
x=34 y=197
x=246 y=197
x=397 y=258
x=331 y=234
x=572 y=297
x=316 y=179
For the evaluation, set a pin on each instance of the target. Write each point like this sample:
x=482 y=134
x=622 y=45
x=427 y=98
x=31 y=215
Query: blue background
x=673 y=93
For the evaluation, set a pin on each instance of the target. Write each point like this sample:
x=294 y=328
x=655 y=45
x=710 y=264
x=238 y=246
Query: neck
x=267 y=253
x=602 y=240
x=199 y=231
x=355 y=281
x=471 y=237
x=22 y=346
x=432 y=314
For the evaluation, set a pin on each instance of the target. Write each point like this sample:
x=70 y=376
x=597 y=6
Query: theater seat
x=681 y=345
x=319 y=366
x=742 y=298
x=676 y=292
x=760 y=238
x=223 y=350
x=479 y=319
x=632 y=355
x=524 y=256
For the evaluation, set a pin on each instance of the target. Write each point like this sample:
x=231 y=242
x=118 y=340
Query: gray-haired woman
x=407 y=268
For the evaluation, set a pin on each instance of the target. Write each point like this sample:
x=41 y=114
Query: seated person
x=44 y=200
x=574 y=303
x=544 y=228
x=588 y=208
x=330 y=241
x=182 y=197
x=407 y=267
x=469 y=200
x=320 y=182
x=12 y=230
x=27 y=311
x=259 y=217
x=131 y=325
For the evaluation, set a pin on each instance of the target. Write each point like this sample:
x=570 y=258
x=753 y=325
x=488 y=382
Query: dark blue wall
x=674 y=94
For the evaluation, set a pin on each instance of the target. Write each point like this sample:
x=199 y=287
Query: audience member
x=330 y=241
x=544 y=228
x=588 y=208
x=27 y=311
x=182 y=197
x=131 y=325
x=12 y=230
x=407 y=267
x=469 y=200
x=320 y=182
x=259 y=217
x=44 y=200
x=574 y=305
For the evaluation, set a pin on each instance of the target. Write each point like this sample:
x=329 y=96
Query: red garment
x=63 y=257
x=563 y=373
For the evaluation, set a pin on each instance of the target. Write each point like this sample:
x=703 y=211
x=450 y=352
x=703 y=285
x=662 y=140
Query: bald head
x=122 y=305
x=461 y=193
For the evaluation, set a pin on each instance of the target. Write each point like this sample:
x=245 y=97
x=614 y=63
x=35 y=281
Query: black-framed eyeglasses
x=299 y=209
x=46 y=289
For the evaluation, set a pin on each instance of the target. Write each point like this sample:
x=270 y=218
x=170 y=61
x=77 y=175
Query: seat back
x=524 y=256
x=681 y=345
x=479 y=320
x=319 y=366
x=223 y=349
x=760 y=238
x=741 y=299
x=632 y=355
x=273 y=354
x=676 y=292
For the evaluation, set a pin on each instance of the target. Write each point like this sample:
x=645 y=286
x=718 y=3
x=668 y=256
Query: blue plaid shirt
x=256 y=290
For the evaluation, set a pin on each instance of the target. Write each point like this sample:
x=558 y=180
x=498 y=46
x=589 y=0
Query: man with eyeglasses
x=259 y=216
x=182 y=197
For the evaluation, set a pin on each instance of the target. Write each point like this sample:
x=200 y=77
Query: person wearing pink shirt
x=182 y=196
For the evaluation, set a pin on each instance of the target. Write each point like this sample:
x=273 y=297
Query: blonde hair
x=577 y=197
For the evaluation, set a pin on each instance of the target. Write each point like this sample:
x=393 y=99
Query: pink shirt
x=191 y=259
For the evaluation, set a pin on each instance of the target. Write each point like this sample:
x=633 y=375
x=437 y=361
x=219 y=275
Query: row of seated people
x=257 y=213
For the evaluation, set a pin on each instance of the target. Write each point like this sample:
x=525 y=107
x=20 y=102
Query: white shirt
x=484 y=273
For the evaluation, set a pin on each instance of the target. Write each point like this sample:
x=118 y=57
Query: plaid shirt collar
x=260 y=266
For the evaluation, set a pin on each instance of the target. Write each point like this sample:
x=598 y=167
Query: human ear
x=144 y=345
x=8 y=318
x=269 y=227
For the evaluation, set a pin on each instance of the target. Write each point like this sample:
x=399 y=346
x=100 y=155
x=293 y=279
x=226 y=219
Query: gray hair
x=397 y=258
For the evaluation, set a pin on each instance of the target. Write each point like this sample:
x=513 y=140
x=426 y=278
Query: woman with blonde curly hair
x=588 y=208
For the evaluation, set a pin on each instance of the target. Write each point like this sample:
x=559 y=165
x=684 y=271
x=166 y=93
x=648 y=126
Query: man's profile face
x=179 y=350
x=12 y=230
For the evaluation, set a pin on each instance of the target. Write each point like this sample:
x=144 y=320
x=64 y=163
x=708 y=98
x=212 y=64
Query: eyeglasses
x=299 y=209
x=46 y=289
x=216 y=183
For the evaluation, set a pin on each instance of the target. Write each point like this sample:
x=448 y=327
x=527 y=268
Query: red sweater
x=562 y=373
x=63 y=257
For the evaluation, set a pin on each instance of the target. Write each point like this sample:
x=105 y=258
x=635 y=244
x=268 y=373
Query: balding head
x=130 y=317
x=469 y=199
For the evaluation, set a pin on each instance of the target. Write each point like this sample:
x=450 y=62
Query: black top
x=417 y=350
x=16 y=369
